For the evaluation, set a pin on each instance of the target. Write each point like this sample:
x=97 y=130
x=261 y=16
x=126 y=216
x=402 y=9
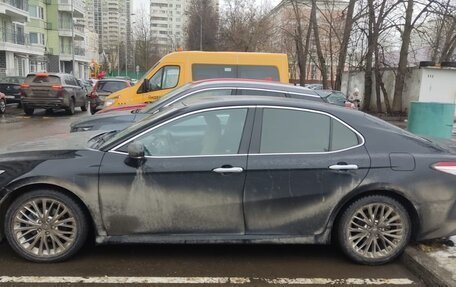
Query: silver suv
x=52 y=91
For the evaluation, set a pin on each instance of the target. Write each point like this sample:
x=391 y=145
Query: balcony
x=16 y=41
x=75 y=6
x=16 y=9
x=64 y=30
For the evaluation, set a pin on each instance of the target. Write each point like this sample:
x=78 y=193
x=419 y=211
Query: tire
x=74 y=219
x=93 y=110
x=2 y=106
x=49 y=111
x=351 y=241
x=28 y=111
x=84 y=107
x=71 y=108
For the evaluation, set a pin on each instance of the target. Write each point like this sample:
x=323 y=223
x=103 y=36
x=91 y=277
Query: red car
x=2 y=103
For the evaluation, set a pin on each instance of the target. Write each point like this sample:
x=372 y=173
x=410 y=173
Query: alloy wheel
x=2 y=107
x=44 y=227
x=376 y=230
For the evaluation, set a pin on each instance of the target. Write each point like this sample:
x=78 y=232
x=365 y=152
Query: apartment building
x=17 y=52
x=111 y=20
x=168 y=20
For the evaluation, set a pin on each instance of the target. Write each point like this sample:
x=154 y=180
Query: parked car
x=124 y=116
x=336 y=98
x=314 y=86
x=52 y=91
x=237 y=170
x=179 y=68
x=2 y=103
x=104 y=88
x=11 y=87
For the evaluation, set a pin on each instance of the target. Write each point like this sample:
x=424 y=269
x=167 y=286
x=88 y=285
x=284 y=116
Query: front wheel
x=84 y=107
x=45 y=226
x=374 y=230
x=28 y=111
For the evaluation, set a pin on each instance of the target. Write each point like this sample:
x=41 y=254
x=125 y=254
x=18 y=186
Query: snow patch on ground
x=446 y=257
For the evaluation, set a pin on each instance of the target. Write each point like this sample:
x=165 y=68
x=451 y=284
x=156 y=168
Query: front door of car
x=300 y=165
x=191 y=181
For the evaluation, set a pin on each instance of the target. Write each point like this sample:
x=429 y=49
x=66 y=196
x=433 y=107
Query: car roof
x=114 y=80
x=250 y=83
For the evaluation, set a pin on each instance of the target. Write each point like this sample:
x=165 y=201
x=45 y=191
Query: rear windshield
x=210 y=71
x=51 y=80
x=111 y=87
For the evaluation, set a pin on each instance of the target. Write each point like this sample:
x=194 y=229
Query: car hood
x=97 y=117
x=62 y=142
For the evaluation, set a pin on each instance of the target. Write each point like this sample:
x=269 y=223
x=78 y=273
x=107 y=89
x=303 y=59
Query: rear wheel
x=93 y=110
x=71 y=107
x=45 y=226
x=374 y=230
x=49 y=111
x=28 y=111
x=2 y=106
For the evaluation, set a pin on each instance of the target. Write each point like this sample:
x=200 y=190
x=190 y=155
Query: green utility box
x=431 y=119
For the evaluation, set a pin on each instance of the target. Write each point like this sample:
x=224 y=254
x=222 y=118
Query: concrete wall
x=415 y=81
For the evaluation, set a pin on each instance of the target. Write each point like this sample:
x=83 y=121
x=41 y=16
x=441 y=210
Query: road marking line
x=202 y=280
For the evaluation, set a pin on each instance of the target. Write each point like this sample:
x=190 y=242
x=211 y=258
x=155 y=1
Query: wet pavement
x=181 y=265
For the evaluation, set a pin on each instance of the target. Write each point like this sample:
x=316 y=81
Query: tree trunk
x=402 y=68
x=302 y=56
x=344 y=45
x=321 y=58
x=378 y=80
x=369 y=55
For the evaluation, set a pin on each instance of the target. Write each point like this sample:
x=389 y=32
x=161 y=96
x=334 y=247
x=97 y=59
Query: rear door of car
x=301 y=163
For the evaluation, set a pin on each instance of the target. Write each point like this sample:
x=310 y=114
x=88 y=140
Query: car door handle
x=343 y=167
x=228 y=170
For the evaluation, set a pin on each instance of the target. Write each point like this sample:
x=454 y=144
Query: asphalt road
x=182 y=265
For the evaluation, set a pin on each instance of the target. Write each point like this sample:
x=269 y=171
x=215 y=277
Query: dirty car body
x=250 y=187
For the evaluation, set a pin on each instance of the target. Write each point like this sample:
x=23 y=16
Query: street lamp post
x=201 y=31
x=72 y=37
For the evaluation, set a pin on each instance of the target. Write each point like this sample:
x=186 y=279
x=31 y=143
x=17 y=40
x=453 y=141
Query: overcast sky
x=144 y=4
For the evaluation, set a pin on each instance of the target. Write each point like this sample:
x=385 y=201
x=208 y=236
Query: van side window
x=165 y=78
x=210 y=71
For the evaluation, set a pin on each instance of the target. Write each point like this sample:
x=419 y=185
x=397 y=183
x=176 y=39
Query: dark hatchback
x=11 y=87
x=104 y=88
x=121 y=119
x=236 y=170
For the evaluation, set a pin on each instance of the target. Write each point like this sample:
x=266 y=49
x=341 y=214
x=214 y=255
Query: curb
x=426 y=268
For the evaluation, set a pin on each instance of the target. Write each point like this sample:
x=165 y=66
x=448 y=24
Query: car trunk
x=42 y=86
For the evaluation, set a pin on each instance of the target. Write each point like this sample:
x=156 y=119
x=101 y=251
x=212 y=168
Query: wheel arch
x=393 y=192
x=14 y=194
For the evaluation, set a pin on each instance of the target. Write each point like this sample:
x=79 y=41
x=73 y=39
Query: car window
x=110 y=86
x=165 y=99
x=268 y=73
x=342 y=137
x=50 y=80
x=291 y=131
x=207 y=133
x=210 y=71
x=260 y=93
x=336 y=98
x=210 y=93
x=170 y=77
x=165 y=78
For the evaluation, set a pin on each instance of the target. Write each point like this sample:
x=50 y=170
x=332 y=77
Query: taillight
x=448 y=167
x=25 y=86
x=57 y=87
x=93 y=95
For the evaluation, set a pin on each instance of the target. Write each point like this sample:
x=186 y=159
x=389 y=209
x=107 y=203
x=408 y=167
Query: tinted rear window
x=209 y=71
x=111 y=87
x=49 y=80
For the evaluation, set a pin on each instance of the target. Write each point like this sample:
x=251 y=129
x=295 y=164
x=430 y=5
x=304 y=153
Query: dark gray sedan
x=125 y=116
x=235 y=170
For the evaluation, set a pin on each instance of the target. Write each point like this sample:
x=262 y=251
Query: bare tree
x=146 y=51
x=244 y=27
x=202 y=27
x=321 y=58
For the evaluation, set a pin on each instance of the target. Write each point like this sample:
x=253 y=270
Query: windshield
x=164 y=100
x=137 y=126
x=111 y=86
x=147 y=73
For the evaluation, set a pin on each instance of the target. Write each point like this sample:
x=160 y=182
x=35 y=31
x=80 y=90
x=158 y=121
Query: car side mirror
x=136 y=150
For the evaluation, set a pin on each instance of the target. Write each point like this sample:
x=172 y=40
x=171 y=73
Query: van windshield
x=147 y=73
x=165 y=99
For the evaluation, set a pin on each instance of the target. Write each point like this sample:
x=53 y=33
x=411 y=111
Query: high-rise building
x=168 y=20
x=19 y=48
x=111 y=20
